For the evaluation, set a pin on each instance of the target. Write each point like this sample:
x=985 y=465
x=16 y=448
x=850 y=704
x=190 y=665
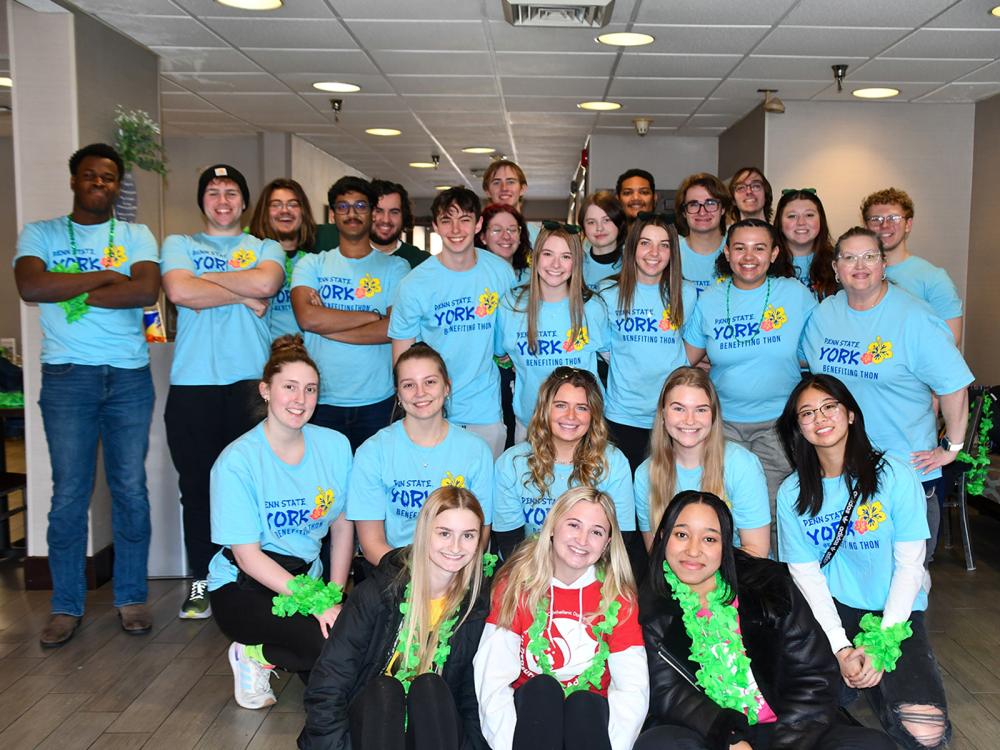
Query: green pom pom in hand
x=74 y=307
x=310 y=596
x=882 y=644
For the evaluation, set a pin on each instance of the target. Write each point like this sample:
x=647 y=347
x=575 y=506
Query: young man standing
x=889 y=213
x=221 y=281
x=701 y=204
x=450 y=303
x=391 y=215
x=341 y=298
x=91 y=276
x=636 y=191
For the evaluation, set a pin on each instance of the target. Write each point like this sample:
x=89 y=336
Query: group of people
x=494 y=407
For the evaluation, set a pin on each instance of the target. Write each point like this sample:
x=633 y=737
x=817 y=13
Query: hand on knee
x=925 y=724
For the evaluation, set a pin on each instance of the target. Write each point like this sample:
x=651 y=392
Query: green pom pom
x=489 y=564
x=882 y=644
x=310 y=596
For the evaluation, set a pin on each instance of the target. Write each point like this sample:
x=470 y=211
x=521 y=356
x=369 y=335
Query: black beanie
x=226 y=172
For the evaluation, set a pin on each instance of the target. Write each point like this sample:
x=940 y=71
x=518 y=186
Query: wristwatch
x=949 y=446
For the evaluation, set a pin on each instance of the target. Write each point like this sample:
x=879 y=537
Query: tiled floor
x=173 y=688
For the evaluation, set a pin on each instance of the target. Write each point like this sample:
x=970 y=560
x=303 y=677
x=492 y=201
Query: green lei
x=591 y=677
x=410 y=659
x=310 y=596
x=882 y=644
x=717 y=646
x=975 y=478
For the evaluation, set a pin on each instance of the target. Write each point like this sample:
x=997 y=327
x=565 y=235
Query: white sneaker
x=251 y=681
x=197 y=605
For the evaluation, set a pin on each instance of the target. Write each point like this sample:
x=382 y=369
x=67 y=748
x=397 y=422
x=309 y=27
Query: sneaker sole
x=234 y=666
x=186 y=614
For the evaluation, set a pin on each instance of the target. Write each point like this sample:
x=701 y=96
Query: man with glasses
x=636 y=191
x=889 y=213
x=341 y=298
x=393 y=214
x=751 y=195
x=701 y=204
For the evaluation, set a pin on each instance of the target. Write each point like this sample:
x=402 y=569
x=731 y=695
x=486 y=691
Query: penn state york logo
x=488 y=302
x=242 y=258
x=114 y=256
x=878 y=351
x=666 y=324
x=452 y=480
x=577 y=342
x=369 y=286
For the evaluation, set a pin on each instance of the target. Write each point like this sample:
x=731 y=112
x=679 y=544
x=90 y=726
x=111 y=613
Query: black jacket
x=359 y=649
x=789 y=654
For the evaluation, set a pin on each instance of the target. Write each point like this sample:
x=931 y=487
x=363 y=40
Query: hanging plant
x=137 y=140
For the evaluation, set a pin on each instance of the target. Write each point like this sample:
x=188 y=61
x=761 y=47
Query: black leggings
x=836 y=737
x=292 y=643
x=432 y=723
x=546 y=720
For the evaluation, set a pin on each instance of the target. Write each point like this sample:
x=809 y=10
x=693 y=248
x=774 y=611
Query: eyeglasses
x=289 y=205
x=343 y=207
x=693 y=207
x=747 y=187
x=510 y=231
x=866 y=259
x=878 y=221
x=553 y=226
x=830 y=410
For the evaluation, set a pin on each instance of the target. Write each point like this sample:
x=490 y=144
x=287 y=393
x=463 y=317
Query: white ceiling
x=453 y=73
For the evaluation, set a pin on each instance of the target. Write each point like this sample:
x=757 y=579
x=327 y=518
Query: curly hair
x=885 y=197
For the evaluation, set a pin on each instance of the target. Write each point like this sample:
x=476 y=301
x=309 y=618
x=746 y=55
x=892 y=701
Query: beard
x=391 y=240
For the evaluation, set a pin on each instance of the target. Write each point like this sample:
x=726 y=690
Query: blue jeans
x=82 y=404
x=356 y=423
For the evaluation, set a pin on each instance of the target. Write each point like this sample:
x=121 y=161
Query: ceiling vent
x=571 y=14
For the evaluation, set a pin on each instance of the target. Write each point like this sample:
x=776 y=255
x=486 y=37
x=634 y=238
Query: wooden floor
x=173 y=687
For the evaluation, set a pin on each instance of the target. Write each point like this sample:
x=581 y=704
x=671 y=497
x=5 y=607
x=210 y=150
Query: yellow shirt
x=436 y=607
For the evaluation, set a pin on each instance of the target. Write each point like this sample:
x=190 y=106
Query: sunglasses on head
x=556 y=225
x=788 y=191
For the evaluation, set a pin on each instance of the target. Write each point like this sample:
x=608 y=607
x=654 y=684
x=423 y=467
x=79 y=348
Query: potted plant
x=137 y=140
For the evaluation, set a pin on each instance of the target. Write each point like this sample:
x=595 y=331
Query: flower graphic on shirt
x=242 y=258
x=488 y=302
x=113 y=256
x=774 y=318
x=878 y=351
x=872 y=514
x=453 y=480
x=368 y=287
x=324 y=501
x=576 y=343
x=666 y=324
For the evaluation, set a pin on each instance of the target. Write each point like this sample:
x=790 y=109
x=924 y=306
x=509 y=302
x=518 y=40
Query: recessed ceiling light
x=252 y=4
x=423 y=164
x=387 y=132
x=6 y=81
x=599 y=106
x=442 y=187
x=625 y=39
x=478 y=150
x=995 y=11
x=876 y=93
x=336 y=87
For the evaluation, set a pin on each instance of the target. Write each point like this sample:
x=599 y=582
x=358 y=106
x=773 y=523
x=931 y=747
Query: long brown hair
x=822 y=279
x=590 y=465
x=671 y=280
x=260 y=224
x=662 y=464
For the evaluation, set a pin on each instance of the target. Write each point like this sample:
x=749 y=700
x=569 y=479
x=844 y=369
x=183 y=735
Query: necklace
x=538 y=644
x=767 y=298
x=409 y=657
x=717 y=646
x=108 y=250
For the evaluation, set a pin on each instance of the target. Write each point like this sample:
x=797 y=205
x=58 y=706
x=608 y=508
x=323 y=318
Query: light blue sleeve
x=366 y=500
x=598 y=323
x=640 y=486
x=942 y=295
x=404 y=323
x=689 y=293
x=793 y=546
x=693 y=333
x=747 y=488
x=396 y=276
x=271 y=250
x=306 y=271
x=507 y=482
x=31 y=243
x=809 y=304
x=234 y=503
x=174 y=255
x=503 y=320
x=619 y=487
x=909 y=504
x=932 y=354
x=481 y=481
x=142 y=245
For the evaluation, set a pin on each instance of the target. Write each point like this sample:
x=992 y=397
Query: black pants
x=377 y=716
x=836 y=737
x=201 y=421
x=244 y=615
x=356 y=423
x=546 y=720
x=632 y=441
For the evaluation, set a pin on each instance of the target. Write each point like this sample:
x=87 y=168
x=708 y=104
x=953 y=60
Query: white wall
x=669 y=158
x=847 y=150
x=315 y=170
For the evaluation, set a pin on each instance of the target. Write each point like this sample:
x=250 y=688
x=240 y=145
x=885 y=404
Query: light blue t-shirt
x=557 y=344
x=594 y=271
x=743 y=477
x=257 y=497
x=392 y=477
x=645 y=348
x=754 y=348
x=929 y=283
x=802 y=264
x=352 y=374
x=891 y=358
x=697 y=268
x=104 y=336
x=861 y=571
x=455 y=313
x=226 y=344
x=519 y=503
x=282 y=317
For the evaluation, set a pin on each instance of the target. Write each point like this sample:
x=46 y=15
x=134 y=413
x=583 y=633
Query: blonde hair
x=590 y=465
x=528 y=573
x=662 y=464
x=416 y=566
x=578 y=291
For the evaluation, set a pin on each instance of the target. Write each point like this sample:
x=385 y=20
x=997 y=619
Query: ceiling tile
x=747 y=88
x=461 y=85
x=986 y=74
x=297 y=9
x=163 y=31
x=359 y=102
x=949 y=43
x=315 y=33
x=719 y=106
x=835 y=42
x=266 y=107
x=453 y=103
x=769 y=68
x=370 y=84
x=611 y=118
x=712 y=11
x=438 y=64
x=183 y=100
x=962 y=92
x=507 y=38
x=675 y=66
x=590 y=87
x=202 y=60
x=555 y=64
x=407 y=9
x=333 y=64
x=420 y=34
x=675 y=87
x=884 y=69
x=966 y=13
x=131 y=7
x=248 y=82
x=659 y=105
x=866 y=13
x=704 y=39
x=907 y=92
